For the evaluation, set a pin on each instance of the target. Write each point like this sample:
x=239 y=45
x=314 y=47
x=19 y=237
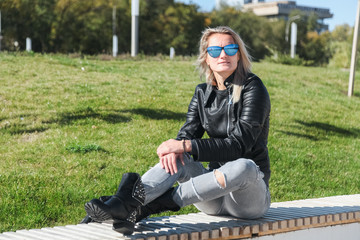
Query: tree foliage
x=20 y=17
x=166 y=24
x=86 y=26
x=340 y=46
x=312 y=46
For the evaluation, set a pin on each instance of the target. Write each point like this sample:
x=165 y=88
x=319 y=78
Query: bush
x=286 y=59
x=341 y=55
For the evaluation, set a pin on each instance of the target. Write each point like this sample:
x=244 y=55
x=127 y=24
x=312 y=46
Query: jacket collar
x=228 y=82
x=210 y=88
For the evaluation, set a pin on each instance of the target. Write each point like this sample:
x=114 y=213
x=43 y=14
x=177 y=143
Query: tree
x=315 y=47
x=312 y=46
x=85 y=26
x=342 y=33
x=340 y=46
x=151 y=40
x=182 y=27
x=276 y=41
x=30 y=18
x=82 y=25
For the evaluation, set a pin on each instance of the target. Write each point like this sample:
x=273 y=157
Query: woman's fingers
x=169 y=163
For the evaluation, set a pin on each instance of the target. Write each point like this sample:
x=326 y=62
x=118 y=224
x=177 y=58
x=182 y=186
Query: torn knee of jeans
x=220 y=178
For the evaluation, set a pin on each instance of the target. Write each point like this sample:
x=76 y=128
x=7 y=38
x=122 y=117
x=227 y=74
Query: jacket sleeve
x=192 y=128
x=254 y=113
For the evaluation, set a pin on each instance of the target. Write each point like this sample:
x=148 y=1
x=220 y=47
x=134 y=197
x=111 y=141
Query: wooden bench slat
x=281 y=217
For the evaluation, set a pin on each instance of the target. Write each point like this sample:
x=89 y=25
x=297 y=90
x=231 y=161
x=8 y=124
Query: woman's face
x=224 y=64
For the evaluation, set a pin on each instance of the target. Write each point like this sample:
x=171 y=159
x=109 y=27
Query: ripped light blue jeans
x=245 y=194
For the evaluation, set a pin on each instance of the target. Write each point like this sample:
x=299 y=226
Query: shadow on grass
x=300 y=135
x=322 y=130
x=109 y=116
x=117 y=116
x=67 y=118
x=18 y=129
x=330 y=129
x=156 y=114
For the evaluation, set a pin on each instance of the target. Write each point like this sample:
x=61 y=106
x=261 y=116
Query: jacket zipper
x=228 y=112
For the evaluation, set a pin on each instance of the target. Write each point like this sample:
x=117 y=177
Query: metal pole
x=353 y=54
x=115 y=39
x=28 y=44
x=288 y=26
x=134 y=27
x=114 y=20
x=293 y=39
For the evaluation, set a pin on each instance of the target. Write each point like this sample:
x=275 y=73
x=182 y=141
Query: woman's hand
x=170 y=146
x=169 y=162
x=170 y=152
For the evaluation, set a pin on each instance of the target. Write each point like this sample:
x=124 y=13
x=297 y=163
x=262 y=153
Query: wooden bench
x=283 y=217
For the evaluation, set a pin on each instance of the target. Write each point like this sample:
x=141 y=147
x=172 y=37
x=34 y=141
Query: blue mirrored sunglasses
x=215 y=51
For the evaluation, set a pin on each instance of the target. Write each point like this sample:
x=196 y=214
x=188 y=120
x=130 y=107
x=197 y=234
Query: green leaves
x=84 y=148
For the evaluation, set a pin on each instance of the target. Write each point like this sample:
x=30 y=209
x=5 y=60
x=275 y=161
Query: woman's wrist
x=186 y=145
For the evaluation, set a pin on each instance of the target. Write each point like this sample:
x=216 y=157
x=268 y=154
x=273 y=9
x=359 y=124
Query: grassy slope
x=67 y=134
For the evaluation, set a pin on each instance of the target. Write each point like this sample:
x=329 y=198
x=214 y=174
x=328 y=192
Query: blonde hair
x=244 y=63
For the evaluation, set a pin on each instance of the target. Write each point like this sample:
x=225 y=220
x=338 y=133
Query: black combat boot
x=161 y=204
x=121 y=207
x=87 y=218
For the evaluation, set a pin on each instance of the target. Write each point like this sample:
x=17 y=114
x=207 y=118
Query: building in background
x=235 y=3
x=279 y=9
x=282 y=10
x=252 y=1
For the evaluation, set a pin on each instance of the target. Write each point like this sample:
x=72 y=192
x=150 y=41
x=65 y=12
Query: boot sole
x=96 y=212
x=124 y=227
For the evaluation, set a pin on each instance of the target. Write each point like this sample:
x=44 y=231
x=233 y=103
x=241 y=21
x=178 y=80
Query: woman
x=233 y=108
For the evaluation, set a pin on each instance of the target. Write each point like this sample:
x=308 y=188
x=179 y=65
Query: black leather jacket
x=235 y=131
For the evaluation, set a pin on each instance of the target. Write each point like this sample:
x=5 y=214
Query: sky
x=344 y=11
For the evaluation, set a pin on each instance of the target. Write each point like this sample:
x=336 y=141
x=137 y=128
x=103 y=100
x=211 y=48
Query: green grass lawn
x=70 y=127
